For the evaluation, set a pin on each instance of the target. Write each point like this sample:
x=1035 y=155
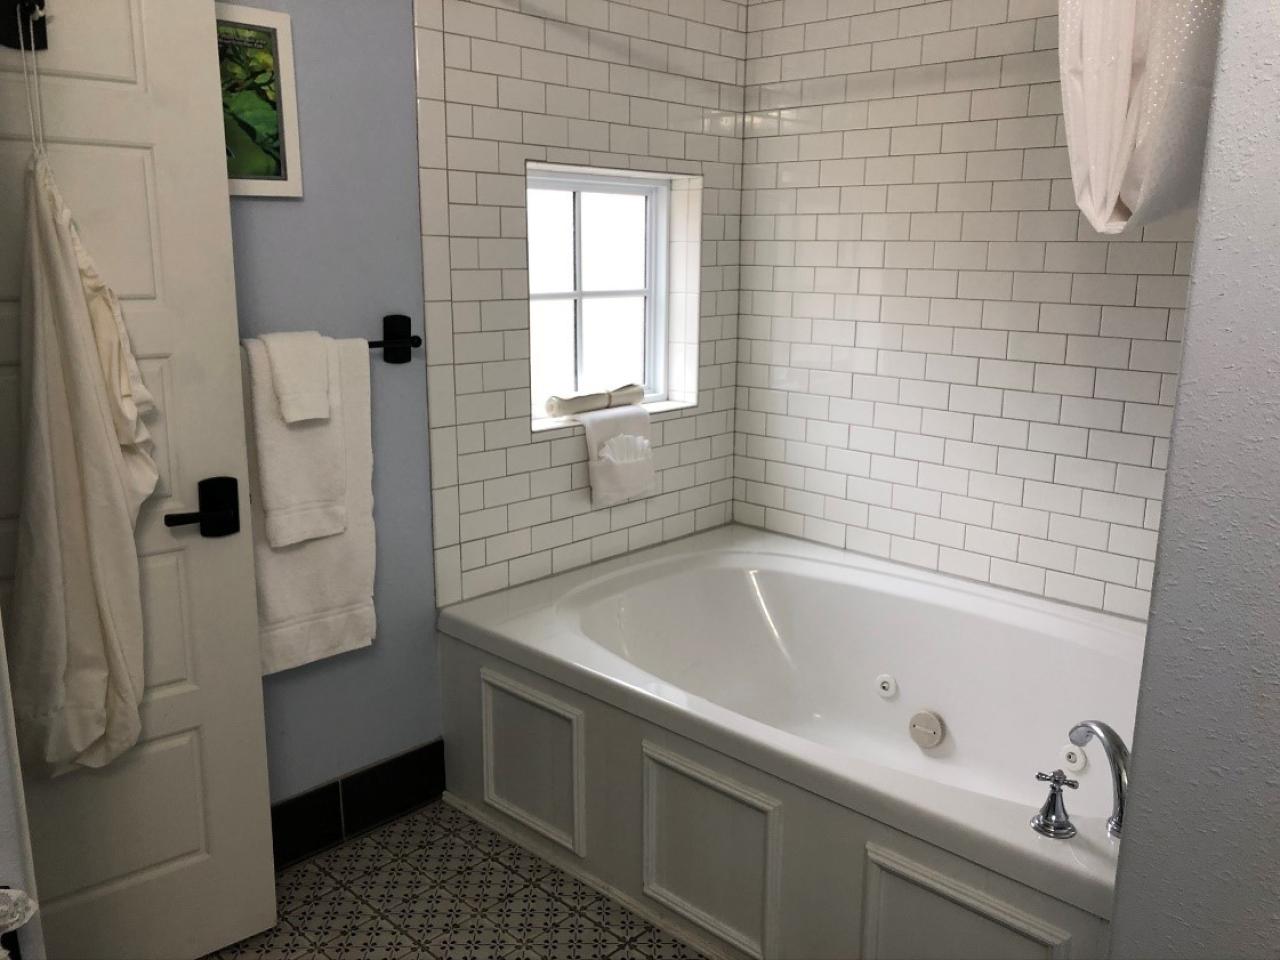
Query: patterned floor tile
x=378 y=939
x=354 y=858
x=324 y=919
x=528 y=914
x=475 y=939
x=282 y=942
x=570 y=890
x=613 y=917
x=419 y=829
x=486 y=883
x=438 y=885
x=300 y=885
x=529 y=865
x=653 y=944
x=447 y=857
x=395 y=882
x=434 y=913
x=577 y=938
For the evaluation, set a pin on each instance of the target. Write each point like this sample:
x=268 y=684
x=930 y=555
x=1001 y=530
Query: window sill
x=541 y=424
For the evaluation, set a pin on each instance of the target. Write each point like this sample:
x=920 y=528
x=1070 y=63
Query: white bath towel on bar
x=315 y=598
x=300 y=374
x=619 y=456
x=302 y=488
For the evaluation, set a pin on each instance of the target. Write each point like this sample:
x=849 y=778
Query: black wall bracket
x=35 y=33
x=398 y=340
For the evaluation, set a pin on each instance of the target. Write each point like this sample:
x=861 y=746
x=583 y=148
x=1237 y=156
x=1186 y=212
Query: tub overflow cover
x=927 y=729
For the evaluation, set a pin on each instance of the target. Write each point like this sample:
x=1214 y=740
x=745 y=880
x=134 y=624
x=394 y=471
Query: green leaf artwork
x=250 y=101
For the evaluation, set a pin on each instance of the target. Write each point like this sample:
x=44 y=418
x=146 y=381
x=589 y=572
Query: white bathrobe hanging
x=76 y=648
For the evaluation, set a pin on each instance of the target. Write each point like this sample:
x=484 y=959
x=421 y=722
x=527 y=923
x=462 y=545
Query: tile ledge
x=541 y=424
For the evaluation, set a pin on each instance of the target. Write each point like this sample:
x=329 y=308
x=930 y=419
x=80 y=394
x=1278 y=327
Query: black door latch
x=219 y=513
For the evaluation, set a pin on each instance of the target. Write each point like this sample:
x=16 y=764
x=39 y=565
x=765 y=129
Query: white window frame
x=655 y=291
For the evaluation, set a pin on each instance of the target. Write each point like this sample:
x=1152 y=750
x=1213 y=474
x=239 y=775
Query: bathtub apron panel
x=738 y=862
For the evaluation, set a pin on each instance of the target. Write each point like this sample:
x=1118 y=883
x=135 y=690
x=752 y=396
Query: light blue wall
x=336 y=261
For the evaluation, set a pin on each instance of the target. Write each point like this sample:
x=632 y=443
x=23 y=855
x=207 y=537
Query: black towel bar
x=397 y=341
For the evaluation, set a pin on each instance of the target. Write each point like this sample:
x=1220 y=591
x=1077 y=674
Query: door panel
x=99 y=829
x=167 y=852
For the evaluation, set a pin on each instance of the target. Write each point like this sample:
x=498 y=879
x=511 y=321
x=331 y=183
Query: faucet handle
x=1058 y=779
x=1052 y=820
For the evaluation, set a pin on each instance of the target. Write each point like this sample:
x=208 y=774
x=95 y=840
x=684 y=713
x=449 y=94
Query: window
x=597 y=283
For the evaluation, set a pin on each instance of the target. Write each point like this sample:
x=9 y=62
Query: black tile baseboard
x=306 y=824
x=324 y=817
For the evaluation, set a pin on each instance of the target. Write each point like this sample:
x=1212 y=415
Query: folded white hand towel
x=299 y=374
x=303 y=483
x=619 y=456
x=315 y=599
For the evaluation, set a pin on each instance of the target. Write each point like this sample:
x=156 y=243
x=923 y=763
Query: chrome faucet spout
x=1117 y=756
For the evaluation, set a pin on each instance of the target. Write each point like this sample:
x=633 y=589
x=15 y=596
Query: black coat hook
x=35 y=35
x=397 y=341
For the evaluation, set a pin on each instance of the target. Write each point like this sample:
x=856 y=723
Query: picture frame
x=259 y=101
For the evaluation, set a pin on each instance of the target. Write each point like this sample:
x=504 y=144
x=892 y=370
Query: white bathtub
x=769 y=650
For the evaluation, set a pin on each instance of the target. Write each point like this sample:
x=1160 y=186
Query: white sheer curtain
x=1137 y=76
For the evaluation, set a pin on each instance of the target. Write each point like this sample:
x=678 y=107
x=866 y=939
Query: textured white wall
x=1200 y=862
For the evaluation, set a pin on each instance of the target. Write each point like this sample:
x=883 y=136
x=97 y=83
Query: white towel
x=302 y=489
x=569 y=406
x=315 y=599
x=299 y=374
x=619 y=458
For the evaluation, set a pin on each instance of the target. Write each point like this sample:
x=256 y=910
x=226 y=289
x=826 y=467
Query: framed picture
x=259 y=102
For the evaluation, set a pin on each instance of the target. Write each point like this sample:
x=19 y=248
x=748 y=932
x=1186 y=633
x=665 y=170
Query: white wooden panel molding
x=882 y=861
x=96 y=40
x=157 y=375
x=124 y=248
x=10 y=439
x=79 y=837
x=575 y=838
x=564 y=860
x=168 y=652
x=762 y=946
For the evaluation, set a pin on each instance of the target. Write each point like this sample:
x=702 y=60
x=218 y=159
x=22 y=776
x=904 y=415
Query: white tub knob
x=1074 y=758
x=886 y=686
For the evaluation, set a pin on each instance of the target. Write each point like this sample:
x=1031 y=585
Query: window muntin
x=597 y=277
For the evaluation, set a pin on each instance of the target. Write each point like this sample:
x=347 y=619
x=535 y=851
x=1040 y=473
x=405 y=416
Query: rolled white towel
x=570 y=406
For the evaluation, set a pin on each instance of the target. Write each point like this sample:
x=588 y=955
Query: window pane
x=613 y=241
x=551 y=351
x=612 y=342
x=550 y=241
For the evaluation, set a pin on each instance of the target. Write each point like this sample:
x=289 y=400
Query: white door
x=167 y=851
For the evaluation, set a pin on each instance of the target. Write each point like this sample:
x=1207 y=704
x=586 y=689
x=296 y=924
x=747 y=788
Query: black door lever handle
x=219 y=513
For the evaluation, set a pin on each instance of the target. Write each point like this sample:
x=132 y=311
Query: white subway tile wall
x=939 y=362
x=925 y=354
x=636 y=84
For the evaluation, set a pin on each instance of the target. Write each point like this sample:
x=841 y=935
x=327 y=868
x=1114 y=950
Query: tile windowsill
x=541 y=424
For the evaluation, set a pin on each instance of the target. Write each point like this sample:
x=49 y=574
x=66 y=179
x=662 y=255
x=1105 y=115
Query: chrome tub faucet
x=1117 y=756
